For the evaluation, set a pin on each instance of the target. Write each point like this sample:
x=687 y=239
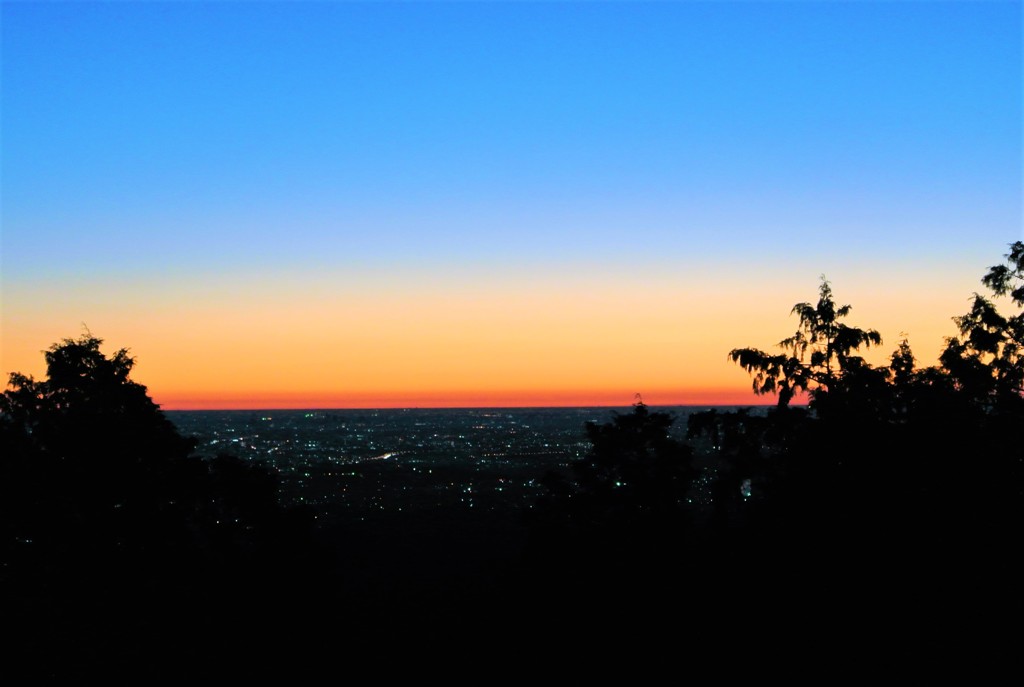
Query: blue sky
x=159 y=143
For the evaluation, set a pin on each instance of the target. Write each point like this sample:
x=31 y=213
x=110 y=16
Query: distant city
x=367 y=463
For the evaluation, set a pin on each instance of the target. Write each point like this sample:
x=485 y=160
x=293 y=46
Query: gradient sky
x=523 y=203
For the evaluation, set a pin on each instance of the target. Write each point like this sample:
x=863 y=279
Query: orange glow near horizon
x=467 y=399
x=475 y=340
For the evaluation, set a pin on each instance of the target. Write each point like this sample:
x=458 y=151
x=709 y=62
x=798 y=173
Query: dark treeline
x=889 y=507
x=883 y=515
x=120 y=549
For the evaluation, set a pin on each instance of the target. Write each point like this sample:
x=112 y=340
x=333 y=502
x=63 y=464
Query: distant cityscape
x=367 y=463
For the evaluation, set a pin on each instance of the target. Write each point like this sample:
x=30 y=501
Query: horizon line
x=499 y=407
x=505 y=398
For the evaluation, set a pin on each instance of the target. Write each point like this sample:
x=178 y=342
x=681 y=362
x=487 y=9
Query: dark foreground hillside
x=418 y=594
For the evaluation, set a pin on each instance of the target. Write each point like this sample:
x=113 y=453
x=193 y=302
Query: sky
x=411 y=204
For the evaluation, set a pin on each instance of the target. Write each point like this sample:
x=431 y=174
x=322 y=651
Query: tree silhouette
x=892 y=500
x=986 y=362
x=94 y=467
x=110 y=527
x=609 y=538
x=901 y=485
x=625 y=503
x=88 y=404
x=815 y=356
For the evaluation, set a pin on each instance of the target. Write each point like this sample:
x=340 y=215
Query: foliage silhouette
x=898 y=485
x=634 y=475
x=894 y=495
x=619 y=517
x=815 y=356
x=111 y=526
x=986 y=362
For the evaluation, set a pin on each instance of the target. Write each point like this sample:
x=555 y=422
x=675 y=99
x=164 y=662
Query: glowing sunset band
x=558 y=339
x=468 y=399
